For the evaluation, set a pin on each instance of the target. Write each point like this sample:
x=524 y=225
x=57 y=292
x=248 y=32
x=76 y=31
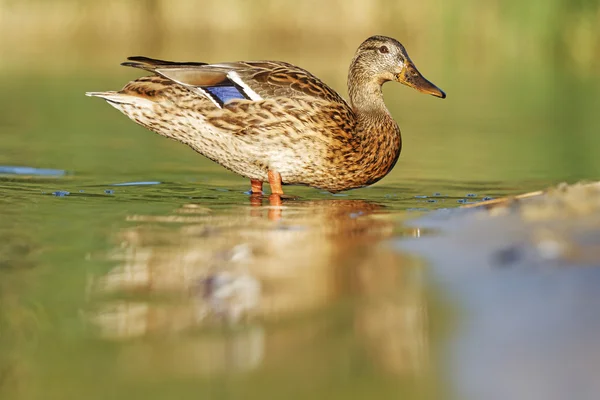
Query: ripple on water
x=141 y=183
x=14 y=170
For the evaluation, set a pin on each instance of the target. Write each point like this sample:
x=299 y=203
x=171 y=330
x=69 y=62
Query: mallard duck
x=274 y=122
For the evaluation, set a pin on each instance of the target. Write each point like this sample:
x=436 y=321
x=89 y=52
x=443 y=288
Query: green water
x=107 y=292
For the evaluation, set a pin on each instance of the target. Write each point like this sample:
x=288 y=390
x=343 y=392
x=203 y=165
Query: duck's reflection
x=242 y=273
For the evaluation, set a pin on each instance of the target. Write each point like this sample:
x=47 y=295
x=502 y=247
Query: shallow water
x=139 y=269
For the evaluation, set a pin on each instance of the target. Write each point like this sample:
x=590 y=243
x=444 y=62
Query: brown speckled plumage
x=286 y=120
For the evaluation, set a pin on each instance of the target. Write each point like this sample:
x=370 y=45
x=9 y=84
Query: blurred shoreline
x=67 y=35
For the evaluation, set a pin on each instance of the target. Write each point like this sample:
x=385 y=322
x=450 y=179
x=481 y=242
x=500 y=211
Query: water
x=143 y=270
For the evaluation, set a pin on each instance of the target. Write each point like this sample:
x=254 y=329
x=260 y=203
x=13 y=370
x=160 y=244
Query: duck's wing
x=251 y=80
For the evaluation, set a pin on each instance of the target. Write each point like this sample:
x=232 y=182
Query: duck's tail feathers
x=119 y=98
x=151 y=64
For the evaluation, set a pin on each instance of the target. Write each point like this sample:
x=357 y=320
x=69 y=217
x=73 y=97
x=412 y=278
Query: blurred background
x=67 y=35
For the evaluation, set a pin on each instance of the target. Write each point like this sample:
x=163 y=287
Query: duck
x=271 y=121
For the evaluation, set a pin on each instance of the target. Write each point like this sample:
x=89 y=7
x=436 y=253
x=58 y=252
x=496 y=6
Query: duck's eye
x=384 y=50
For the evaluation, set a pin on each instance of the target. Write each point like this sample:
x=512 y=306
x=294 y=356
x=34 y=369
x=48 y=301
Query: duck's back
x=250 y=80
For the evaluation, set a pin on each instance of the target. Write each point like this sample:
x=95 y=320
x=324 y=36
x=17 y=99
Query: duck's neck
x=376 y=131
x=365 y=93
x=366 y=100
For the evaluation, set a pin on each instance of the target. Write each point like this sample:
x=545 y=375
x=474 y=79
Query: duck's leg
x=275 y=197
x=256 y=186
x=256 y=194
x=275 y=182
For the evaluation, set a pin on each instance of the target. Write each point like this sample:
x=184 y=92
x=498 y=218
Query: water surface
x=140 y=269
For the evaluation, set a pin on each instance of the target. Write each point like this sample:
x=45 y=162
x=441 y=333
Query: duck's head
x=384 y=59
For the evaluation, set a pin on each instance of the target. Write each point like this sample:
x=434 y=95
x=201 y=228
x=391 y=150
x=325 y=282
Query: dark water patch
x=506 y=256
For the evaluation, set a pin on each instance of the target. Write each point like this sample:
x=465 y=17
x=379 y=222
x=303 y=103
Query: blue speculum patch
x=223 y=94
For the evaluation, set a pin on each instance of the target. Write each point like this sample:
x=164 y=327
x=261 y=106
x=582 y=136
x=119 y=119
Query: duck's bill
x=410 y=76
